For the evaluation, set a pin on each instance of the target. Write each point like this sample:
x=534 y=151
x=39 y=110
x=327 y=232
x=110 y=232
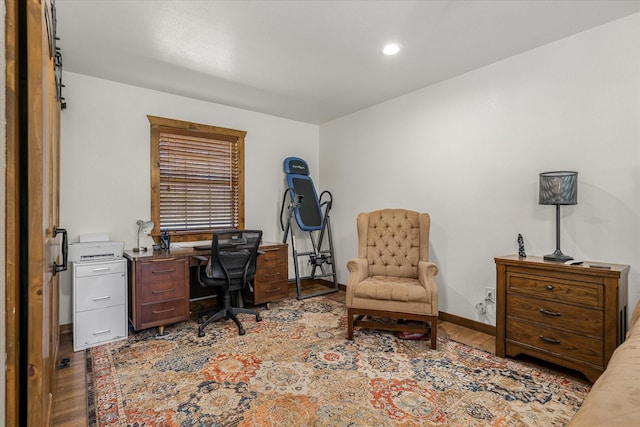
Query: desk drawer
x=163 y=280
x=583 y=320
x=572 y=292
x=272 y=257
x=559 y=343
x=164 y=313
x=271 y=291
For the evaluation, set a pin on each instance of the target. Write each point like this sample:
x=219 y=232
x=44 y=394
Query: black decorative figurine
x=521 y=252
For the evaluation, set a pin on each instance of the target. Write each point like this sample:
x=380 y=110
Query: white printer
x=95 y=247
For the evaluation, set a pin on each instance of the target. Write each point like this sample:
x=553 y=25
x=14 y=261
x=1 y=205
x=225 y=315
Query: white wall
x=469 y=150
x=105 y=175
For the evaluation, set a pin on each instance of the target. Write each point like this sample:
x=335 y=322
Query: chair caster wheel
x=241 y=332
x=201 y=333
x=258 y=318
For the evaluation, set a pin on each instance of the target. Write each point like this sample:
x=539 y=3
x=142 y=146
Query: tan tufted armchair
x=392 y=277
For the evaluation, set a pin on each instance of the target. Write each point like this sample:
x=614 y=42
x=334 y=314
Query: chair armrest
x=427 y=272
x=358 y=269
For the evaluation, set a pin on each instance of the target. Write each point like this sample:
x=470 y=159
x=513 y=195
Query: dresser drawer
x=163 y=280
x=557 y=342
x=582 y=320
x=572 y=292
x=94 y=292
x=163 y=313
x=99 y=326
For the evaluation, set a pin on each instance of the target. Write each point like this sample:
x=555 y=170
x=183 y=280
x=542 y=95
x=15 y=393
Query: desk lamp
x=144 y=227
x=558 y=188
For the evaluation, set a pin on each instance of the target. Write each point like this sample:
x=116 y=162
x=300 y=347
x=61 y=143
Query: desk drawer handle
x=549 y=312
x=549 y=287
x=106 y=331
x=163 y=311
x=170 y=270
x=549 y=340
x=163 y=291
x=272 y=275
x=102 y=298
x=162 y=260
x=270 y=291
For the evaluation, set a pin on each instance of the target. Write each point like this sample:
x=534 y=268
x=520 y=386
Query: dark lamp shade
x=558 y=188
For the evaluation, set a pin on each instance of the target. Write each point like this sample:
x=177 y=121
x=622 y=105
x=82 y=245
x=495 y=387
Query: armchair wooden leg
x=349 y=325
x=434 y=333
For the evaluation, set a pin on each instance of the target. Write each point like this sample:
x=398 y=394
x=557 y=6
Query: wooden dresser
x=159 y=283
x=571 y=315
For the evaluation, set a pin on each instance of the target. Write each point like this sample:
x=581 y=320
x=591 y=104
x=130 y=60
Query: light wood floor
x=70 y=399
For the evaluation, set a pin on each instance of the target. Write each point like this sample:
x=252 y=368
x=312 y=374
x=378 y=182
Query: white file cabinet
x=99 y=302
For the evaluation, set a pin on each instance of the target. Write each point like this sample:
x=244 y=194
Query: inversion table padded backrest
x=308 y=213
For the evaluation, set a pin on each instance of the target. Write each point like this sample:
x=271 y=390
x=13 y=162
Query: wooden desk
x=159 y=283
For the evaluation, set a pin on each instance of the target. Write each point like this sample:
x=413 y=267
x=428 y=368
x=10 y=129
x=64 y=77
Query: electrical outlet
x=490 y=294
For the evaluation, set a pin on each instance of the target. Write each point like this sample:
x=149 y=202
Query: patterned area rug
x=296 y=368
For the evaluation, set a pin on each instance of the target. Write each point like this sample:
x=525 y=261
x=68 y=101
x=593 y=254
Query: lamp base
x=557 y=256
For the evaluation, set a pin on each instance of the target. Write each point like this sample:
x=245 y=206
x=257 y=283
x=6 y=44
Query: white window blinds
x=198 y=180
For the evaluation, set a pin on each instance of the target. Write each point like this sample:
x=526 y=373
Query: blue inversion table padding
x=308 y=213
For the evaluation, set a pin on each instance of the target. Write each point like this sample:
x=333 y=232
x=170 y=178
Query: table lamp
x=558 y=188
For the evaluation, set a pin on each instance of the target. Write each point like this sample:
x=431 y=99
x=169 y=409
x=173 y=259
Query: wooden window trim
x=189 y=128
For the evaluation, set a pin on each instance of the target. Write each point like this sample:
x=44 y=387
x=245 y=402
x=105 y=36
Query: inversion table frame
x=312 y=215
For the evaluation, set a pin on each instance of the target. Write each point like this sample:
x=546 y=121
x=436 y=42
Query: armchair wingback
x=392 y=277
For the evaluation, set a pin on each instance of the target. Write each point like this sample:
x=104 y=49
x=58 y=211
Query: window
x=197 y=179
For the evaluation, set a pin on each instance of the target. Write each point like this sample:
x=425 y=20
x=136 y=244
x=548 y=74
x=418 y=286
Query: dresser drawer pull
x=102 y=298
x=549 y=312
x=163 y=291
x=169 y=270
x=106 y=331
x=549 y=287
x=549 y=340
x=163 y=311
x=270 y=291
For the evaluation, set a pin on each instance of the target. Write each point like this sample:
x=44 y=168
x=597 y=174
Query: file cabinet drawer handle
x=102 y=298
x=106 y=331
x=549 y=312
x=549 y=340
x=95 y=270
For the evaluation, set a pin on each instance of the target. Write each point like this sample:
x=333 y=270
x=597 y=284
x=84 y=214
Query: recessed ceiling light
x=391 y=49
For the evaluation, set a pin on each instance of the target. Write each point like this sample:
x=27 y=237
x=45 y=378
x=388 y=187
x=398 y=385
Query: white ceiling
x=311 y=61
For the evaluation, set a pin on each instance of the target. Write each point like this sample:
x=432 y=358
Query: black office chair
x=232 y=266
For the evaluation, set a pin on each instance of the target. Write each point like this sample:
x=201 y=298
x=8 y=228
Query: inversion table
x=312 y=216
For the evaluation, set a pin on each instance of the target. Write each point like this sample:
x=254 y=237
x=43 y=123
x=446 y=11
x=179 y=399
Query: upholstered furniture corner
x=614 y=399
x=392 y=278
